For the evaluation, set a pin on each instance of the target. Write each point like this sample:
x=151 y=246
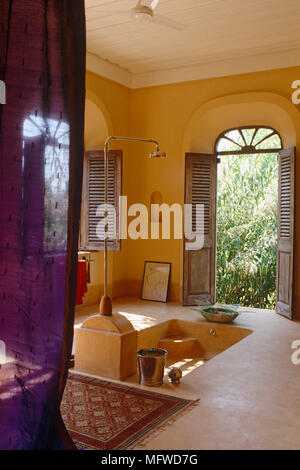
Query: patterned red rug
x=104 y=416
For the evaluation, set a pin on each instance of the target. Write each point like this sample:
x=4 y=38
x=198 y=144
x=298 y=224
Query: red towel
x=81 y=282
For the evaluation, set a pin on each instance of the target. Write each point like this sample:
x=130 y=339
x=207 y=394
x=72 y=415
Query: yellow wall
x=107 y=112
x=187 y=117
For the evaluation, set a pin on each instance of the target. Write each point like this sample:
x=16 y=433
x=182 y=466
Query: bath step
x=180 y=346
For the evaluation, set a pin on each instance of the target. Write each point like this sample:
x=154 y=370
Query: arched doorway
x=247 y=215
x=202 y=131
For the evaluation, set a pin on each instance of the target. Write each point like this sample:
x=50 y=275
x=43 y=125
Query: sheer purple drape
x=42 y=61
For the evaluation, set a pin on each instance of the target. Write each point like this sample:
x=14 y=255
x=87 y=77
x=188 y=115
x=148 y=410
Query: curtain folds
x=42 y=61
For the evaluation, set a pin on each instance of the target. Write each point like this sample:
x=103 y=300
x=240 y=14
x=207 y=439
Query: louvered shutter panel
x=95 y=196
x=286 y=227
x=201 y=184
x=199 y=265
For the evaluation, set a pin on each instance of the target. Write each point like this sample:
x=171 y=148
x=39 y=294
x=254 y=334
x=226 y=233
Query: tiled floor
x=249 y=394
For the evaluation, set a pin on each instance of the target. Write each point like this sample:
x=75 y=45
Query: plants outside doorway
x=247 y=230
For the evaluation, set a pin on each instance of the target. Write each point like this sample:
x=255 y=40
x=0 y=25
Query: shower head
x=158 y=154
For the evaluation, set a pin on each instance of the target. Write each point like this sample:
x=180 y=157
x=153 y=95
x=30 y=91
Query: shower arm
x=106 y=303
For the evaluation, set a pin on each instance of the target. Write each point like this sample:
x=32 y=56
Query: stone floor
x=249 y=394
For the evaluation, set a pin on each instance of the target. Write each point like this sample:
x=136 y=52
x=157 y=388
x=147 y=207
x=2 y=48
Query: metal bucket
x=152 y=366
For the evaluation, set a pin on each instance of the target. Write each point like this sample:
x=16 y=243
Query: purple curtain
x=42 y=62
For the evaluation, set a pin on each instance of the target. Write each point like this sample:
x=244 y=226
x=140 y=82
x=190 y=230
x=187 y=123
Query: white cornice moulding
x=222 y=68
x=106 y=69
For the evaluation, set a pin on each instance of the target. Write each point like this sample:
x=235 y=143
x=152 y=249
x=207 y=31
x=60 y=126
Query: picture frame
x=156 y=281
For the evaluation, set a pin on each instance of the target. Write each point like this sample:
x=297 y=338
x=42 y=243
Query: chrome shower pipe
x=106 y=146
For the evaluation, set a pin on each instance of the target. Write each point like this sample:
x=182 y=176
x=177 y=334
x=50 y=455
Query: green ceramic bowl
x=220 y=315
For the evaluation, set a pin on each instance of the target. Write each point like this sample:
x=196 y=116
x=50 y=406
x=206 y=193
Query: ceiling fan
x=145 y=11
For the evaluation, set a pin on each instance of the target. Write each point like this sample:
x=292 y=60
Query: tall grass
x=247 y=230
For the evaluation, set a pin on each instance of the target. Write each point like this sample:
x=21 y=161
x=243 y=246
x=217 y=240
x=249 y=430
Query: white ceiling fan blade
x=148 y=3
x=162 y=20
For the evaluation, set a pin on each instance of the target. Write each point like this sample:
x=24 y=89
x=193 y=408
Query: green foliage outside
x=247 y=230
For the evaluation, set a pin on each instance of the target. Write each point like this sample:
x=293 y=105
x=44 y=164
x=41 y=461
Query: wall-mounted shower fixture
x=106 y=303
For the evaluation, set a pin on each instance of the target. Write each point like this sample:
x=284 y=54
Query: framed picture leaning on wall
x=156 y=281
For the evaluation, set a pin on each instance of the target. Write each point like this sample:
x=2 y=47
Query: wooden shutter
x=94 y=195
x=199 y=277
x=286 y=227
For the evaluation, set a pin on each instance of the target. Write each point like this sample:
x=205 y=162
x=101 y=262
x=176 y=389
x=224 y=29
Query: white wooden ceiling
x=216 y=30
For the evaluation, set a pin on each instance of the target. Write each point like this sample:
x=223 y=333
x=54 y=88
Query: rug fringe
x=144 y=441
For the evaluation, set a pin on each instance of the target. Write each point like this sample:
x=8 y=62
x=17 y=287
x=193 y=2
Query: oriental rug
x=102 y=415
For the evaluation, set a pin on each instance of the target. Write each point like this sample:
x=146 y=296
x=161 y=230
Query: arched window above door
x=248 y=139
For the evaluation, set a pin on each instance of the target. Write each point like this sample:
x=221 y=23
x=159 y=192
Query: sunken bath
x=189 y=343
x=108 y=352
